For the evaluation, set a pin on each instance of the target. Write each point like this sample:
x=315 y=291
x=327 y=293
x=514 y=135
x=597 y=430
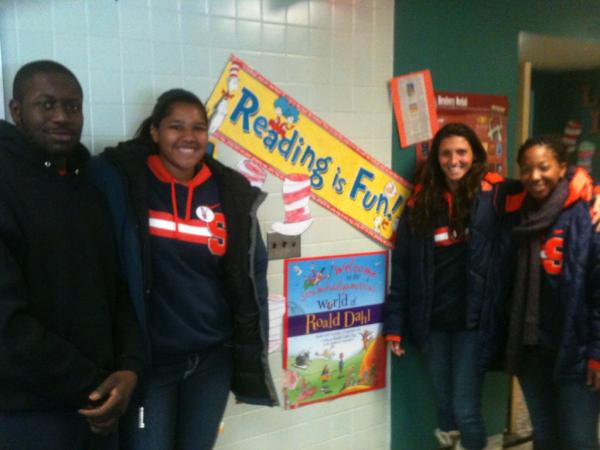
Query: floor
x=495 y=443
x=527 y=446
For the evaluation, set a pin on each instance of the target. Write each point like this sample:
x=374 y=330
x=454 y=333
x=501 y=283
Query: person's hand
x=110 y=401
x=593 y=379
x=596 y=213
x=397 y=349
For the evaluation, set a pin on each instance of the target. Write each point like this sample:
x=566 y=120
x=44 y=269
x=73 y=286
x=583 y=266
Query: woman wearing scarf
x=554 y=331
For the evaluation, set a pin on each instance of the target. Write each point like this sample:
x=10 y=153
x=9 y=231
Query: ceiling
x=558 y=53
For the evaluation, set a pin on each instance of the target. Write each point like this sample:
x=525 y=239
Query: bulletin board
x=487 y=115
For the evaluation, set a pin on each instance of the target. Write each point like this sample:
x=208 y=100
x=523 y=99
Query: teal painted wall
x=469 y=46
x=413 y=414
x=472 y=45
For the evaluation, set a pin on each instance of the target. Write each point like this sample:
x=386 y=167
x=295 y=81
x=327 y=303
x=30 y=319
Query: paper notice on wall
x=276 y=311
x=414 y=107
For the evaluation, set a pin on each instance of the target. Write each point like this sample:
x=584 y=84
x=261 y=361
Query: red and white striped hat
x=234 y=69
x=572 y=132
x=296 y=193
x=253 y=172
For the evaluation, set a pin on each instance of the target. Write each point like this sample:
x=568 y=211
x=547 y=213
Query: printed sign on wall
x=254 y=117
x=486 y=114
x=414 y=107
x=333 y=342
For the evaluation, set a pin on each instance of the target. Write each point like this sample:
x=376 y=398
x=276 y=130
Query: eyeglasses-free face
x=182 y=137
x=50 y=113
x=540 y=171
x=456 y=158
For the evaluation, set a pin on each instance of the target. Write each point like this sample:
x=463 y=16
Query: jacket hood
x=15 y=142
x=489 y=179
x=9 y=133
x=581 y=187
x=131 y=155
x=133 y=148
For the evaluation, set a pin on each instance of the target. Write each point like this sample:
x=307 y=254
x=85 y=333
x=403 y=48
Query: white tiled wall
x=334 y=57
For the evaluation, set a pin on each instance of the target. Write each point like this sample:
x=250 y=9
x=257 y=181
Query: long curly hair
x=429 y=200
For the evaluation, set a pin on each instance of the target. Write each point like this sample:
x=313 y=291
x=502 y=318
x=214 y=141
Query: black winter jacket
x=66 y=321
x=121 y=174
x=410 y=299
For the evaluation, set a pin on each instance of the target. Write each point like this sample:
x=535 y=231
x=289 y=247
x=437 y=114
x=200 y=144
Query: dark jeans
x=182 y=404
x=564 y=414
x=457 y=383
x=50 y=430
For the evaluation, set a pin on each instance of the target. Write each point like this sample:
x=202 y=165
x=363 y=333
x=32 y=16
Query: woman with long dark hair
x=554 y=333
x=192 y=253
x=448 y=279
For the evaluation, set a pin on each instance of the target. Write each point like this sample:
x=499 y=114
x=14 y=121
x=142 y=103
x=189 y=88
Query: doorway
x=559 y=94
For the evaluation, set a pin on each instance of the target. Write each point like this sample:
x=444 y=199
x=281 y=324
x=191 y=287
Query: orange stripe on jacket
x=489 y=179
x=514 y=202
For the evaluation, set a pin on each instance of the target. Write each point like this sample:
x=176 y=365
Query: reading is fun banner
x=333 y=342
x=253 y=116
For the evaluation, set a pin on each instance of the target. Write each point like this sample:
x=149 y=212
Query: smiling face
x=540 y=171
x=455 y=157
x=182 y=137
x=49 y=114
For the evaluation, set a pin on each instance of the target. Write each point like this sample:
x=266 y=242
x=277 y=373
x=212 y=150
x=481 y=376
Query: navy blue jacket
x=120 y=173
x=409 y=303
x=571 y=271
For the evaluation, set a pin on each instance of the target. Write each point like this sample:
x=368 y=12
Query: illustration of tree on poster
x=333 y=327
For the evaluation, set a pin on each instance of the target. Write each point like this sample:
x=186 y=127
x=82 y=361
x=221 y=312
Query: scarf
x=524 y=311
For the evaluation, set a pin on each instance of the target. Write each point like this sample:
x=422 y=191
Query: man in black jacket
x=70 y=347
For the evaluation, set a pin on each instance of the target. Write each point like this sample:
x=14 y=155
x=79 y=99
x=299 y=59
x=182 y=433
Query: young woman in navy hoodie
x=554 y=333
x=191 y=250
